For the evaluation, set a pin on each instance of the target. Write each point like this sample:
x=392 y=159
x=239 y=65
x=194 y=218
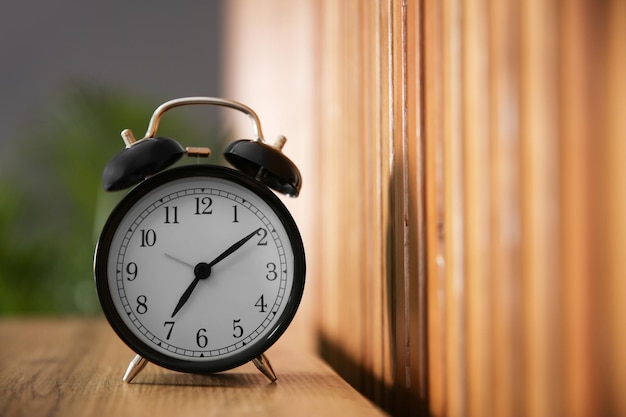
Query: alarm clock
x=200 y=268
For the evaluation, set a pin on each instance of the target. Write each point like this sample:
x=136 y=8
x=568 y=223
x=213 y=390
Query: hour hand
x=201 y=271
x=185 y=296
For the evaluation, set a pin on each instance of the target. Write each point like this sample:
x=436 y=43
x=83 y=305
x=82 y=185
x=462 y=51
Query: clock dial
x=200 y=269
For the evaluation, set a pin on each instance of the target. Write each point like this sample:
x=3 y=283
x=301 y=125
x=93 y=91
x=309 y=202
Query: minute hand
x=233 y=248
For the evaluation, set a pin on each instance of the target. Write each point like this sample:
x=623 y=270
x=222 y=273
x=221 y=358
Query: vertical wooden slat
x=352 y=225
x=397 y=181
x=370 y=312
x=433 y=177
x=454 y=206
x=579 y=111
x=416 y=233
x=330 y=160
x=540 y=207
x=374 y=312
x=505 y=305
x=380 y=96
x=477 y=214
x=614 y=90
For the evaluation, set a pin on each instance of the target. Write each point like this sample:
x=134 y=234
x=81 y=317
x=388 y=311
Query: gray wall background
x=157 y=49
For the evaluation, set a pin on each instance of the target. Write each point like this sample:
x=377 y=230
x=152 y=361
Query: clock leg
x=135 y=366
x=263 y=364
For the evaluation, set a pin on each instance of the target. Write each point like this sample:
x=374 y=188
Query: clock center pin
x=202 y=270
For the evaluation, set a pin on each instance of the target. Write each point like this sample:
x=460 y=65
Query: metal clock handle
x=156 y=116
x=185 y=101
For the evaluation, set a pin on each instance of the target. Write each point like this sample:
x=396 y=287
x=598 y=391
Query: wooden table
x=74 y=367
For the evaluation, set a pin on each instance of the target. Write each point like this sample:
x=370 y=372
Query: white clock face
x=200 y=269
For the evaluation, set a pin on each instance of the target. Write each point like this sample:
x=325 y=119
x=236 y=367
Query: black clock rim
x=101 y=269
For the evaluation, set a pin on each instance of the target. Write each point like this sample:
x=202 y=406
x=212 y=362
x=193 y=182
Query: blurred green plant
x=52 y=205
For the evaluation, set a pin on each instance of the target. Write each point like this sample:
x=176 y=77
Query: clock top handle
x=185 y=101
x=149 y=155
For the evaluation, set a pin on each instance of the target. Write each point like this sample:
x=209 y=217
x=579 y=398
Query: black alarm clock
x=200 y=268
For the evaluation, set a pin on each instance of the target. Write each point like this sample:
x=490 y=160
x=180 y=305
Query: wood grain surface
x=74 y=367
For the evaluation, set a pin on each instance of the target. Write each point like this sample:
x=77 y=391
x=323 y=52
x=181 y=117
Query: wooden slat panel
x=376 y=177
x=361 y=162
x=471 y=210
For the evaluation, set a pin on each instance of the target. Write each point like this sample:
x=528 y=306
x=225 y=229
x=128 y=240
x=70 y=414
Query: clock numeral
x=171 y=215
x=131 y=269
x=203 y=205
x=235 y=214
x=169 y=332
x=237 y=329
x=263 y=240
x=142 y=307
x=261 y=304
x=271 y=271
x=201 y=339
x=148 y=238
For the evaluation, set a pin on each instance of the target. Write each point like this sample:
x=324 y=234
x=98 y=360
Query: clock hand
x=233 y=248
x=200 y=271
x=167 y=255
x=203 y=270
